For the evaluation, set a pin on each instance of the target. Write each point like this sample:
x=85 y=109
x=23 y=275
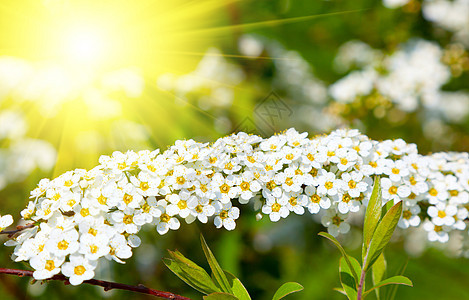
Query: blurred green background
x=251 y=49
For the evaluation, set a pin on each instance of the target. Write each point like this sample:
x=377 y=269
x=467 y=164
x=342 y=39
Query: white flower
x=436 y=232
x=328 y=184
x=62 y=243
x=46 y=265
x=78 y=269
x=314 y=202
x=226 y=214
x=295 y=202
x=5 y=221
x=276 y=208
x=248 y=186
x=94 y=247
x=165 y=221
x=394 y=191
x=442 y=214
x=118 y=249
x=410 y=217
x=335 y=223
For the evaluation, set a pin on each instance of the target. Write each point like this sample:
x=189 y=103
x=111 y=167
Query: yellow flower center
x=244 y=186
x=330 y=153
x=289 y=156
x=438 y=228
x=298 y=172
x=128 y=219
x=343 y=161
x=336 y=220
x=315 y=198
x=346 y=198
x=276 y=207
x=310 y=156
x=373 y=164
x=293 y=201
x=203 y=188
x=84 y=212
x=314 y=172
x=289 y=181
x=406 y=214
x=251 y=159
x=224 y=188
x=352 y=184
x=199 y=208
x=393 y=190
x=441 y=214
x=71 y=202
x=144 y=186
x=102 y=200
x=412 y=180
x=151 y=168
x=182 y=204
x=453 y=193
x=329 y=185
x=165 y=218
x=63 y=245
x=68 y=183
x=268 y=168
x=93 y=231
x=128 y=198
x=121 y=166
x=79 y=270
x=270 y=185
x=395 y=171
x=94 y=249
x=433 y=192
x=146 y=208
x=229 y=166
x=180 y=180
x=212 y=160
x=223 y=214
x=50 y=265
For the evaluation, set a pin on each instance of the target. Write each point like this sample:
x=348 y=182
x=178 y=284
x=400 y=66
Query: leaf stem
x=107 y=285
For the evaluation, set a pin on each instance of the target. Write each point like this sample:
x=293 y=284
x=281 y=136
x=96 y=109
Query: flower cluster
x=450 y=15
x=84 y=216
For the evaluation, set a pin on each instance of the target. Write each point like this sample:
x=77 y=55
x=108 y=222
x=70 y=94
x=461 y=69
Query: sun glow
x=85 y=45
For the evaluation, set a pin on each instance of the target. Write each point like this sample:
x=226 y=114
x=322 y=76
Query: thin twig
x=107 y=285
x=18 y=229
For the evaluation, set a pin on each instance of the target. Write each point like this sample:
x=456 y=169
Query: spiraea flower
x=83 y=216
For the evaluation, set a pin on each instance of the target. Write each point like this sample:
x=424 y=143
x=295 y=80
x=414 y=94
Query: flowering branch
x=107 y=285
x=11 y=233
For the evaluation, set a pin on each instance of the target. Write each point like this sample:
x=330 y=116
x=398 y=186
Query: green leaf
x=220 y=296
x=392 y=290
x=347 y=280
x=287 y=289
x=197 y=278
x=372 y=215
x=340 y=290
x=383 y=234
x=217 y=271
x=378 y=270
x=238 y=288
x=402 y=280
x=344 y=254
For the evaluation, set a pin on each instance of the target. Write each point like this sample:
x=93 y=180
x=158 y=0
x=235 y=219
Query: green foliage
x=379 y=225
x=221 y=285
x=287 y=289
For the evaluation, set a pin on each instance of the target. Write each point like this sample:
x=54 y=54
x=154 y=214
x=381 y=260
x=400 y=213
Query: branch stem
x=362 y=278
x=107 y=285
